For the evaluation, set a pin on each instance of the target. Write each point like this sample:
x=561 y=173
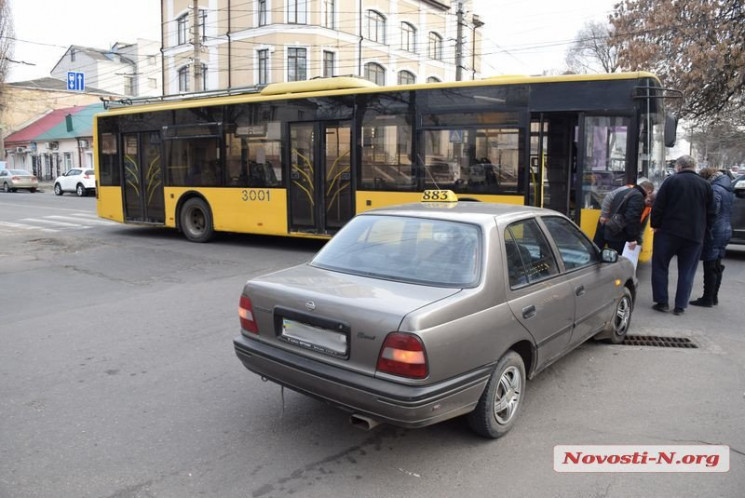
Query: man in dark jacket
x=682 y=216
x=629 y=202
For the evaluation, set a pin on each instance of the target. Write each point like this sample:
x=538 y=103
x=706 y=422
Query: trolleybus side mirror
x=671 y=129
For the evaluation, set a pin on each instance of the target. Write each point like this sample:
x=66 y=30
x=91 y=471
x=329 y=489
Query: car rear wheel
x=80 y=190
x=196 y=220
x=32 y=190
x=619 y=324
x=57 y=189
x=498 y=407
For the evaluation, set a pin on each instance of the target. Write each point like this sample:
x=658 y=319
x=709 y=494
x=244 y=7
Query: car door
x=68 y=179
x=590 y=282
x=738 y=211
x=538 y=296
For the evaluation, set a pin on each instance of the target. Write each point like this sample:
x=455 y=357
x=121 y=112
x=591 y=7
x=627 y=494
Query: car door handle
x=529 y=311
x=580 y=291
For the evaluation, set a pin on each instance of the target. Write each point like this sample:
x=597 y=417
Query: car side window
x=575 y=249
x=529 y=256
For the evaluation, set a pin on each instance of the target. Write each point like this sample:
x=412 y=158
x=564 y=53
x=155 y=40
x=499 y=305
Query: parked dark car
x=416 y=314
x=738 y=211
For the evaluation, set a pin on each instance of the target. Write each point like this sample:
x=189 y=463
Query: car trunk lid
x=334 y=317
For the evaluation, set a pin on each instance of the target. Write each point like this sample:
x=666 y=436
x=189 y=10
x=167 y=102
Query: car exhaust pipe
x=363 y=422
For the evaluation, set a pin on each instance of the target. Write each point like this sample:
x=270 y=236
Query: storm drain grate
x=659 y=341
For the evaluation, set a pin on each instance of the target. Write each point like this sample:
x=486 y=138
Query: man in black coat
x=682 y=215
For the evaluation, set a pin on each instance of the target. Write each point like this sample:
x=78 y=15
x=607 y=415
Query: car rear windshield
x=21 y=172
x=88 y=172
x=406 y=249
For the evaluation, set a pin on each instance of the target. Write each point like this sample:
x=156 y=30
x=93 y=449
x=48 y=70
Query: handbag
x=617 y=221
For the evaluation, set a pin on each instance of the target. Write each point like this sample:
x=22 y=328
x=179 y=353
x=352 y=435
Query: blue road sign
x=75 y=81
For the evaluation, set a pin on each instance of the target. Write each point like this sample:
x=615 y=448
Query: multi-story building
x=245 y=43
x=131 y=69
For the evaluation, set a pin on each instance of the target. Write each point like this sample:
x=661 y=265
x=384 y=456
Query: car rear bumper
x=380 y=399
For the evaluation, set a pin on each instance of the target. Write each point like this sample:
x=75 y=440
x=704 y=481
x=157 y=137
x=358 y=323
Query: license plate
x=315 y=338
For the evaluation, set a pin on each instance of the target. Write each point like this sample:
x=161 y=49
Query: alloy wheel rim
x=508 y=395
x=623 y=314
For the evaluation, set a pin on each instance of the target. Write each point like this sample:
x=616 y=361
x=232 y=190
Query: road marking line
x=52 y=222
x=86 y=220
x=26 y=227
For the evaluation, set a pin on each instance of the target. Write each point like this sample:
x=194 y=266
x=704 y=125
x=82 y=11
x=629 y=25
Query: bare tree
x=696 y=46
x=591 y=51
x=6 y=39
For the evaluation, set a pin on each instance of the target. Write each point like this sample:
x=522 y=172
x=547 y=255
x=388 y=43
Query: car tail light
x=14 y=178
x=403 y=355
x=86 y=176
x=246 y=314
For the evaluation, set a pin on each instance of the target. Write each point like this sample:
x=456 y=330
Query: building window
x=183 y=79
x=296 y=12
x=262 y=13
x=152 y=60
x=375 y=73
x=203 y=24
x=406 y=78
x=183 y=29
x=435 y=46
x=297 y=64
x=328 y=64
x=408 y=37
x=204 y=77
x=375 y=26
x=263 y=78
x=68 y=161
x=129 y=85
x=433 y=79
x=152 y=83
x=329 y=12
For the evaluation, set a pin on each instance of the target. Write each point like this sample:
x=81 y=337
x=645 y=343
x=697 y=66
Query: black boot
x=719 y=269
x=709 y=281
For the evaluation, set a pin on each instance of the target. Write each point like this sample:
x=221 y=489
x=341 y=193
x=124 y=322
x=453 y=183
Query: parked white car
x=80 y=181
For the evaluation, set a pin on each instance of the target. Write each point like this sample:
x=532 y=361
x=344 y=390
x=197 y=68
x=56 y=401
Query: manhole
x=659 y=341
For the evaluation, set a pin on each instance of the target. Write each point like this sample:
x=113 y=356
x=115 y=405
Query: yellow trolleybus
x=300 y=159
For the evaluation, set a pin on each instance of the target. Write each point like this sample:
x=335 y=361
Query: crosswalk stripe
x=82 y=219
x=53 y=222
x=21 y=226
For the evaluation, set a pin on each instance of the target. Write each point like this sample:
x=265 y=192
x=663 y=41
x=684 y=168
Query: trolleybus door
x=143 y=178
x=553 y=162
x=320 y=176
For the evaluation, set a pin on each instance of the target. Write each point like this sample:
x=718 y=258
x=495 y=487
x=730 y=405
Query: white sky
x=520 y=36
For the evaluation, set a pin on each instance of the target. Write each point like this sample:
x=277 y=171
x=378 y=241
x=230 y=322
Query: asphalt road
x=118 y=379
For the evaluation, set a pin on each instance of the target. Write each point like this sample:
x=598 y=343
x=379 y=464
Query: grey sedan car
x=419 y=313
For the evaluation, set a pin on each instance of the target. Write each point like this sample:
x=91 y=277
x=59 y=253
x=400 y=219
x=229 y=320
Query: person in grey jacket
x=682 y=217
x=721 y=231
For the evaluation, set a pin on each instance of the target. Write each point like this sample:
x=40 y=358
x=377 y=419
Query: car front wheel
x=57 y=189
x=6 y=187
x=80 y=190
x=196 y=220
x=619 y=324
x=498 y=407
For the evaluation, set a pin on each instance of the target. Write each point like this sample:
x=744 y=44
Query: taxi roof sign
x=439 y=196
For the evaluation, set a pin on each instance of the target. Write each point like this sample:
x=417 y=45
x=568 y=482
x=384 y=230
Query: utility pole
x=459 y=45
x=197 y=42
